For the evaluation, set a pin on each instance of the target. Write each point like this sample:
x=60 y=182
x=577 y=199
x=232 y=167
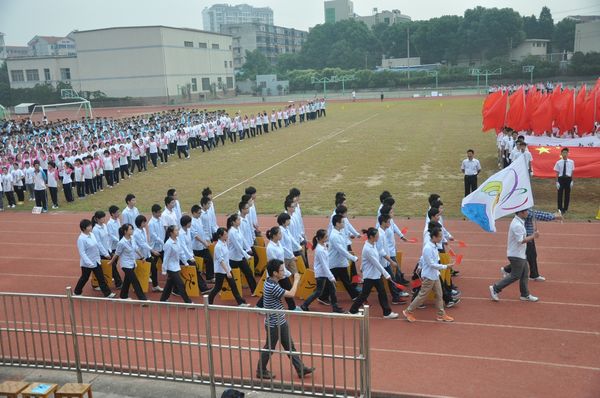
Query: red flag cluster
x=540 y=111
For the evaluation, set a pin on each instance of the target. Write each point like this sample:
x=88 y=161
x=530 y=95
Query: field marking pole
x=296 y=154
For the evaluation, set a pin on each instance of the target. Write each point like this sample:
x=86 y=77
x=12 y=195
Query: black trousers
x=131 y=279
x=266 y=127
x=368 y=284
x=89 y=186
x=245 y=269
x=164 y=155
x=20 y=193
x=40 y=199
x=109 y=174
x=564 y=193
x=174 y=281
x=54 y=195
x=209 y=267
x=470 y=184
x=10 y=196
x=85 y=276
x=124 y=170
x=275 y=334
x=116 y=175
x=154 y=269
x=321 y=283
x=80 y=189
x=219 y=278
x=154 y=159
x=531 y=254
x=68 y=192
x=341 y=274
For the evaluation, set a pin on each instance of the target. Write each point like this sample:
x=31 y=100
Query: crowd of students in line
x=91 y=154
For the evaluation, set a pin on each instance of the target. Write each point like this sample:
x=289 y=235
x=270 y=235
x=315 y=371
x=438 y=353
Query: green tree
x=4 y=85
x=256 y=64
x=564 y=35
x=546 y=24
x=531 y=27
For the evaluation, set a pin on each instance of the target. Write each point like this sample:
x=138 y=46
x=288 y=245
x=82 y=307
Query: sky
x=21 y=20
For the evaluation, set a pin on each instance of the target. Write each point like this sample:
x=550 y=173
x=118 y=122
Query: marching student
x=322 y=273
x=205 y=220
x=7 y=184
x=516 y=253
x=177 y=207
x=123 y=162
x=153 y=151
x=276 y=324
x=275 y=251
x=223 y=269
x=253 y=217
x=100 y=231
x=470 y=168
x=168 y=216
x=200 y=238
x=182 y=144
x=89 y=259
x=145 y=251
x=156 y=231
x=173 y=255
x=112 y=227
x=185 y=243
x=564 y=179
x=126 y=253
x=39 y=187
x=130 y=212
x=53 y=183
x=372 y=271
x=339 y=255
x=88 y=176
x=385 y=259
x=295 y=195
x=430 y=279
x=238 y=257
x=206 y=192
x=1 y=196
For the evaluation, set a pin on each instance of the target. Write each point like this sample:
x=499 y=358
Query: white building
x=338 y=10
x=51 y=45
x=587 y=36
x=143 y=61
x=529 y=47
x=386 y=17
x=12 y=51
x=219 y=14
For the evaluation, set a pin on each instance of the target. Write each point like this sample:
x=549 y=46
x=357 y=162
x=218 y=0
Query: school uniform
x=169 y=218
x=372 y=270
x=39 y=190
x=238 y=257
x=89 y=261
x=430 y=278
x=128 y=216
x=7 y=187
x=471 y=169
x=324 y=279
x=18 y=177
x=156 y=231
x=564 y=170
x=128 y=251
x=53 y=187
x=185 y=242
x=112 y=227
x=199 y=231
x=338 y=260
x=222 y=267
x=109 y=169
x=173 y=255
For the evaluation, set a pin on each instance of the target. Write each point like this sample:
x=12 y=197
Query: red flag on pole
x=564 y=110
x=494 y=111
x=517 y=113
x=541 y=120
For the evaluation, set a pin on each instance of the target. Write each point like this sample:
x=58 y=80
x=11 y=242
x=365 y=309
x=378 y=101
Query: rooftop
x=150 y=26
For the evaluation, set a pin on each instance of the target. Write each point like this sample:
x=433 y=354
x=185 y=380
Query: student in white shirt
x=206 y=192
x=323 y=274
x=223 y=269
x=185 y=242
x=126 y=253
x=430 y=279
x=471 y=168
x=173 y=256
x=516 y=253
x=39 y=187
x=130 y=212
x=564 y=179
x=238 y=257
x=7 y=185
x=253 y=217
x=101 y=231
x=372 y=271
x=53 y=183
x=168 y=216
x=200 y=238
x=18 y=177
x=205 y=220
x=89 y=254
x=156 y=232
x=177 y=208
x=339 y=255
x=112 y=227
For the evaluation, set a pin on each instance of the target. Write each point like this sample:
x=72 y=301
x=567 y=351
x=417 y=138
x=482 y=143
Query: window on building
x=230 y=64
x=47 y=76
x=188 y=44
x=17 y=76
x=194 y=84
x=230 y=82
x=33 y=75
x=205 y=84
x=202 y=45
x=65 y=73
x=215 y=46
x=225 y=64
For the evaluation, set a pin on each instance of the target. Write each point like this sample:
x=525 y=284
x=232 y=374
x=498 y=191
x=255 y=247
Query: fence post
x=366 y=352
x=74 y=334
x=211 y=367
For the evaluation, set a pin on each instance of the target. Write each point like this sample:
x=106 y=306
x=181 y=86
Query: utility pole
x=408 y=52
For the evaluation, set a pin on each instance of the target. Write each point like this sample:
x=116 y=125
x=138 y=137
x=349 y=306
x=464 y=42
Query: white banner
x=535 y=140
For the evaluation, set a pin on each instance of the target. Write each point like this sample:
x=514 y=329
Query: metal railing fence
x=213 y=345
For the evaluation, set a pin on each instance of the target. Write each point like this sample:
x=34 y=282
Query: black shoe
x=338 y=310
x=305 y=372
x=454 y=272
x=265 y=374
x=324 y=301
x=304 y=308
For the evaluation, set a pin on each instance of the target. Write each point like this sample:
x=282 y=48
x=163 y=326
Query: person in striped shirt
x=276 y=324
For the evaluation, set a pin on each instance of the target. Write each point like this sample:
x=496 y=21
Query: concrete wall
x=528 y=48
x=587 y=37
x=54 y=64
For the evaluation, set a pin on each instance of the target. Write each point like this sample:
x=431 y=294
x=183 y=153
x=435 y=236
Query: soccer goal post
x=65 y=110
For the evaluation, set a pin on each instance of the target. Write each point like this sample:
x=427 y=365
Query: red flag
x=415 y=283
x=564 y=110
x=458 y=260
x=587 y=161
x=461 y=244
x=585 y=123
x=356 y=279
x=541 y=119
x=580 y=109
x=494 y=111
x=517 y=113
x=533 y=100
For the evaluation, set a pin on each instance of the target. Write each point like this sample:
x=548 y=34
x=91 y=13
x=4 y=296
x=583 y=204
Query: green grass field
x=410 y=147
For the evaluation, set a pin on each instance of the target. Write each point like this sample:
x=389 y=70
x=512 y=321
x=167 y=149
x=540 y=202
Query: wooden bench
x=30 y=392
x=74 y=390
x=11 y=389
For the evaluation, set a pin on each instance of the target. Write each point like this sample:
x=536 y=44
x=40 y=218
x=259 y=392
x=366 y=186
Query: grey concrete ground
x=105 y=386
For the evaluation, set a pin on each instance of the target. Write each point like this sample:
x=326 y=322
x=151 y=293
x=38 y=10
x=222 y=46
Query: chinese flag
x=517 y=113
x=587 y=161
x=494 y=111
x=541 y=119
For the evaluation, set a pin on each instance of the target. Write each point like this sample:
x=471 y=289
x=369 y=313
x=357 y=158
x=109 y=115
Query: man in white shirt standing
x=564 y=179
x=471 y=168
x=39 y=187
x=516 y=248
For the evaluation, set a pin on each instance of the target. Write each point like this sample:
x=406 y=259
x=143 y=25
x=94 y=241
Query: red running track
x=510 y=348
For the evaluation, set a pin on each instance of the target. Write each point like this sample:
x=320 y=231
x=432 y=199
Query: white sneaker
x=391 y=315
x=503 y=274
x=97 y=288
x=112 y=295
x=244 y=305
x=530 y=298
x=493 y=294
x=538 y=279
x=403 y=294
x=157 y=289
